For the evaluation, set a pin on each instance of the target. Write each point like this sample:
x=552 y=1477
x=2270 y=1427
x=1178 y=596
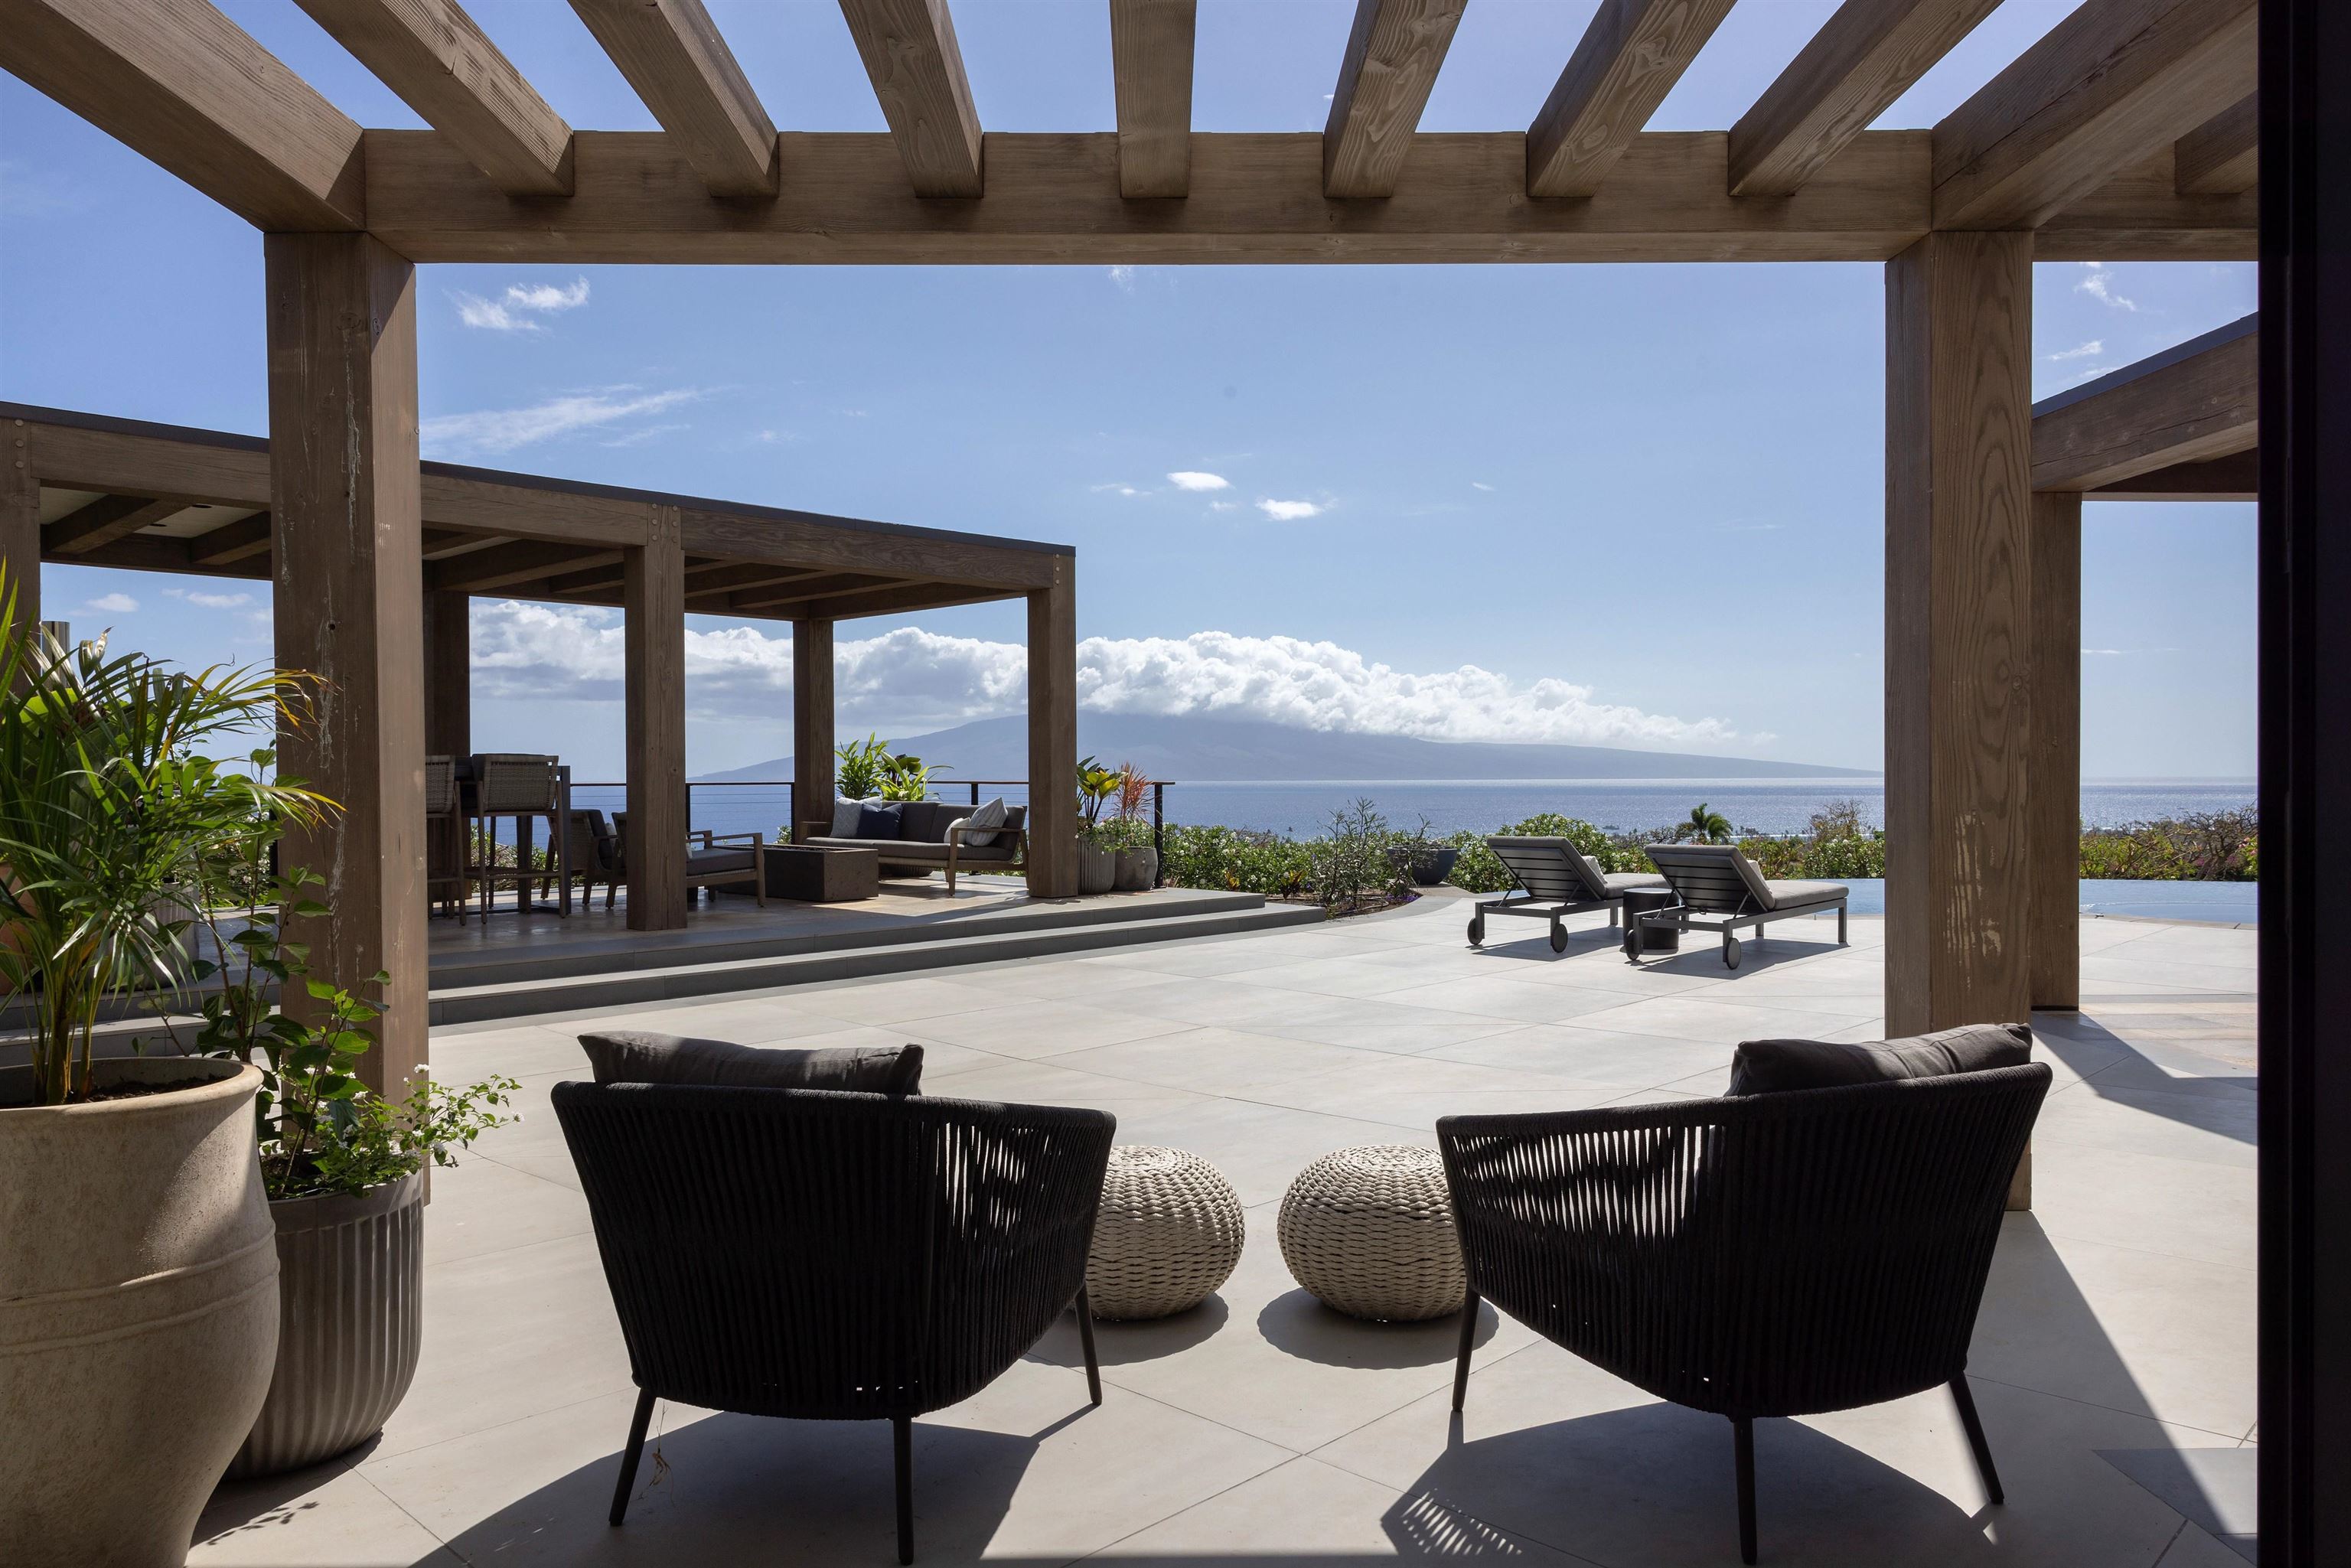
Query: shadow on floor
x=1300 y=1324
x=2095 y=1052
x=1125 y=1345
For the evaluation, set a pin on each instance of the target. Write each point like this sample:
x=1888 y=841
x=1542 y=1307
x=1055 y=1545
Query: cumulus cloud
x=910 y=681
x=1193 y=479
x=1118 y=490
x=1289 y=511
x=2099 y=285
x=513 y=312
x=113 y=603
x=504 y=429
x=211 y=600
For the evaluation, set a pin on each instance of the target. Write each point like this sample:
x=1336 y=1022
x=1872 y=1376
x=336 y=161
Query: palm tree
x=1708 y=826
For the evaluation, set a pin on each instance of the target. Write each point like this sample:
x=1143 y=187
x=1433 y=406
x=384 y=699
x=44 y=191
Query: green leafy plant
x=903 y=777
x=1096 y=786
x=1706 y=825
x=860 y=768
x=1352 y=866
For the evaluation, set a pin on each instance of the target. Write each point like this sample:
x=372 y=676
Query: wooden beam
x=20 y=525
x=103 y=521
x=2109 y=85
x=178 y=82
x=1054 y=200
x=812 y=725
x=444 y=67
x=2140 y=215
x=1392 y=56
x=2236 y=477
x=785 y=538
x=1957 y=632
x=896 y=601
x=1052 y=819
x=1151 y=49
x=1850 y=72
x=231 y=542
x=448 y=674
x=504 y=565
x=909 y=51
x=721 y=582
x=653 y=661
x=161 y=552
x=1628 y=60
x=2054 y=772
x=673 y=56
x=801 y=590
x=2198 y=401
x=2222 y=156
x=350 y=610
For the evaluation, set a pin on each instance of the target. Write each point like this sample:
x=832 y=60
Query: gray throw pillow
x=627 y=1056
x=1771 y=1066
x=982 y=818
x=844 y=816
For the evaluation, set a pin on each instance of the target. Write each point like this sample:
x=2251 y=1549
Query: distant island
x=1187 y=749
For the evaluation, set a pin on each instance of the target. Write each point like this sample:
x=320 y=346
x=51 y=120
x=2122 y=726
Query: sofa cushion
x=627 y=1056
x=844 y=815
x=925 y=821
x=981 y=819
x=878 y=819
x=1772 y=1066
x=899 y=851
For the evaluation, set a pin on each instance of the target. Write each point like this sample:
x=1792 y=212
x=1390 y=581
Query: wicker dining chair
x=832 y=1256
x=525 y=786
x=1778 y=1254
x=444 y=836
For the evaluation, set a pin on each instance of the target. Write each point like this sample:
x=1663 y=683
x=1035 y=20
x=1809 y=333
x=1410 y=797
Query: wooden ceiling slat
x=1628 y=60
x=444 y=67
x=181 y=84
x=735 y=577
x=886 y=601
x=231 y=542
x=1394 y=53
x=812 y=586
x=2109 y=85
x=503 y=565
x=2190 y=404
x=1850 y=72
x=2235 y=478
x=103 y=521
x=2222 y=156
x=672 y=55
x=1151 y=50
x=910 y=52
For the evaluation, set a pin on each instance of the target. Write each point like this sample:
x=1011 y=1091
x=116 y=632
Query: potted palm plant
x=140 y=1266
x=1136 y=860
x=1097 y=861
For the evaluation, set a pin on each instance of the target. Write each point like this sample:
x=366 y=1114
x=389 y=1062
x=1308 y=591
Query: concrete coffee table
x=810 y=875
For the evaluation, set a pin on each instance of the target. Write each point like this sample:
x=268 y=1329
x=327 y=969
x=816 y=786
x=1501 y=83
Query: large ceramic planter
x=1097 y=867
x=350 y=1293
x=138 y=1310
x=1135 y=870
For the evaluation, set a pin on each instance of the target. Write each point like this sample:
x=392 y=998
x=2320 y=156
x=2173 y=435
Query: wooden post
x=448 y=674
x=20 y=522
x=2053 y=779
x=347 y=583
x=812 y=725
x=652 y=593
x=1053 y=734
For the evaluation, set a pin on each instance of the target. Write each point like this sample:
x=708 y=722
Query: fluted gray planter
x=351 y=1280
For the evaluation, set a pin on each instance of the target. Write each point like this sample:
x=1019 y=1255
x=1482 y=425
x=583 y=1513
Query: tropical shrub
x=1351 y=867
x=2205 y=846
x=1238 y=859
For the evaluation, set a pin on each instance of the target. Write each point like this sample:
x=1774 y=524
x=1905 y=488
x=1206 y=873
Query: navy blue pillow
x=879 y=821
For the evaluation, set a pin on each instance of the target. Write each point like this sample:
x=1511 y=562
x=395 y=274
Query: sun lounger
x=1555 y=879
x=1721 y=890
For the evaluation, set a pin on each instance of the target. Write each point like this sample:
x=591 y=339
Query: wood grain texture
x=448 y=674
x=2158 y=414
x=1151 y=50
x=20 y=522
x=802 y=542
x=680 y=66
x=1394 y=53
x=1052 y=819
x=1627 y=60
x=2109 y=85
x=244 y=539
x=654 y=681
x=813 y=726
x=444 y=67
x=1055 y=199
x=2140 y=215
x=1957 y=630
x=177 y=82
x=719 y=581
x=1851 y=71
x=349 y=608
x=2222 y=156
x=2054 y=774
x=894 y=600
x=801 y=589
x=2236 y=477
x=103 y=521
x=910 y=54
x=504 y=565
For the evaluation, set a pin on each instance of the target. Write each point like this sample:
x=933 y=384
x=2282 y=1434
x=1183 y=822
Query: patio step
x=885 y=955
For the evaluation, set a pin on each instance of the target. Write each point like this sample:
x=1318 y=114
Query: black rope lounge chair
x=1781 y=1254
x=1556 y=878
x=1721 y=890
x=832 y=1256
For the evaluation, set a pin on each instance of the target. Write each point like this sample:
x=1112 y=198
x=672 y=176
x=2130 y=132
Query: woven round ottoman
x=1370 y=1231
x=1169 y=1233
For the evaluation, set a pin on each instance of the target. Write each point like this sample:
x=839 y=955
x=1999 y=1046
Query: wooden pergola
x=2128 y=132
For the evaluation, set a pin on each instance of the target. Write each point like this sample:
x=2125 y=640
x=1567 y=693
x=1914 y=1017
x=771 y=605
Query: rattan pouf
x=1370 y=1231
x=1169 y=1233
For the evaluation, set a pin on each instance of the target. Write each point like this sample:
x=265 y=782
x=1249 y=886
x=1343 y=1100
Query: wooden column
x=20 y=522
x=653 y=595
x=1053 y=734
x=1957 y=630
x=2054 y=777
x=347 y=584
x=812 y=725
x=448 y=674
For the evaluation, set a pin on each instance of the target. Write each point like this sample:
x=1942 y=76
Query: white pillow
x=989 y=816
x=844 y=815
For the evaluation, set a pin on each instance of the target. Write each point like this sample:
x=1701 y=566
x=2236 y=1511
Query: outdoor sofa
x=933 y=835
x=1553 y=878
x=1721 y=890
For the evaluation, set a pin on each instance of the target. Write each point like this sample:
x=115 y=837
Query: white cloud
x=512 y=311
x=640 y=437
x=1224 y=505
x=910 y=681
x=504 y=429
x=2126 y=653
x=1119 y=490
x=1193 y=479
x=113 y=603
x=1289 y=511
x=548 y=296
x=1480 y=484
x=2099 y=285
x=211 y=600
x=2088 y=350
x=1123 y=277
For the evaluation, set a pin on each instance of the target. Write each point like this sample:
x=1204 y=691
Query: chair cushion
x=1773 y=1066
x=1796 y=894
x=627 y=1056
x=878 y=819
x=711 y=863
x=990 y=815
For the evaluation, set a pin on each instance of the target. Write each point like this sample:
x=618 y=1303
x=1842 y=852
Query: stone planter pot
x=1135 y=870
x=350 y=1294
x=138 y=1310
x=1097 y=868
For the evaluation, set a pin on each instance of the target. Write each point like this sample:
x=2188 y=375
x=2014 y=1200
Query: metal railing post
x=1158 y=833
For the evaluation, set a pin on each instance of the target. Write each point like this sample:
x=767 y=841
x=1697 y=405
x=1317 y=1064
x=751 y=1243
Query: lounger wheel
x=1558 y=938
x=1476 y=930
x=1729 y=951
x=1633 y=941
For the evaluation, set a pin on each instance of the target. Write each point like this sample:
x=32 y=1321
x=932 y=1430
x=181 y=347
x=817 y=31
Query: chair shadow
x=1127 y=1343
x=2089 y=1046
x=255 y=1508
x=1296 y=1324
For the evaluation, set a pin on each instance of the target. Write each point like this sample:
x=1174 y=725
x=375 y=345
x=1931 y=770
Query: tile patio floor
x=2115 y=1343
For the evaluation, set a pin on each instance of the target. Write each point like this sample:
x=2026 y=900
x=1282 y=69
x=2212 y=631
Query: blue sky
x=1422 y=469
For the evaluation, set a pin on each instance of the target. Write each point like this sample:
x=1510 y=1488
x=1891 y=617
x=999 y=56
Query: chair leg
x=1742 y=1432
x=901 y=1435
x=1469 y=1342
x=1841 y=942
x=1084 y=1308
x=629 y=1459
x=1966 y=1401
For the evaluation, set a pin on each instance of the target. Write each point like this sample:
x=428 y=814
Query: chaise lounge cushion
x=1775 y=1066
x=1621 y=882
x=627 y=1056
x=1798 y=894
